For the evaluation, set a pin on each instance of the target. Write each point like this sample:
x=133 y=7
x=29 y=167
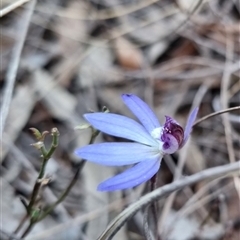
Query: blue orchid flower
x=151 y=142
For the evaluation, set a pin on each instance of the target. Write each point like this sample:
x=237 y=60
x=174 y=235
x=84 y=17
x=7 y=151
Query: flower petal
x=173 y=128
x=170 y=144
x=190 y=121
x=142 y=111
x=120 y=126
x=116 y=154
x=133 y=176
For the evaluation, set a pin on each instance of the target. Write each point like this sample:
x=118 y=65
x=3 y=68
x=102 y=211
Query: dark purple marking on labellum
x=173 y=128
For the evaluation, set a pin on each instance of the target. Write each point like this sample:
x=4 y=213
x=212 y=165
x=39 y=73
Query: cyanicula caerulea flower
x=151 y=142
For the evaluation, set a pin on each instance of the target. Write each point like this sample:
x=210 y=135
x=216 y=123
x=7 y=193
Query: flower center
x=170 y=136
x=173 y=128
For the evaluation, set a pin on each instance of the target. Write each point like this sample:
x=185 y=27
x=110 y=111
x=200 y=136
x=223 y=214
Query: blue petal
x=116 y=154
x=190 y=122
x=120 y=126
x=142 y=111
x=133 y=176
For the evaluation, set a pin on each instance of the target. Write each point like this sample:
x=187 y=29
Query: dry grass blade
x=224 y=99
x=106 y=13
x=13 y=66
x=11 y=131
x=12 y=7
x=117 y=223
x=216 y=114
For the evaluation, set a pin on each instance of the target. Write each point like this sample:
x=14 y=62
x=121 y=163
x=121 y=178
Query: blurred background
x=61 y=59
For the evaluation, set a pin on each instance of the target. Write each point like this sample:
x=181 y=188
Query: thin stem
x=24 y=202
x=46 y=156
x=65 y=193
x=28 y=229
x=34 y=195
x=154 y=208
x=153 y=184
x=147 y=199
x=37 y=186
x=215 y=114
x=55 y=135
x=73 y=181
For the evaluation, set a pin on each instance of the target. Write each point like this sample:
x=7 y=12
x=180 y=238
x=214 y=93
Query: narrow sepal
x=142 y=111
x=191 y=119
x=116 y=154
x=132 y=177
x=120 y=126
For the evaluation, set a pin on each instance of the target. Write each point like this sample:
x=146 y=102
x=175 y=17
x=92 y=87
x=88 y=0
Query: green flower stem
x=35 y=192
x=72 y=183
x=46 y=156
x=55 y=135
x=28 y=229
x=64 y=194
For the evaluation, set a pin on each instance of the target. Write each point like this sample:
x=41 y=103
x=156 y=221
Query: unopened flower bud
x=36 y=133
x=55 y=132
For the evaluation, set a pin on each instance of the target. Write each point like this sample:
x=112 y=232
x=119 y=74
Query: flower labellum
x=150 y=142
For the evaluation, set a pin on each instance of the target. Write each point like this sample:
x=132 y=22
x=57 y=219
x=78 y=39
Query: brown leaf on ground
x=128 y=55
